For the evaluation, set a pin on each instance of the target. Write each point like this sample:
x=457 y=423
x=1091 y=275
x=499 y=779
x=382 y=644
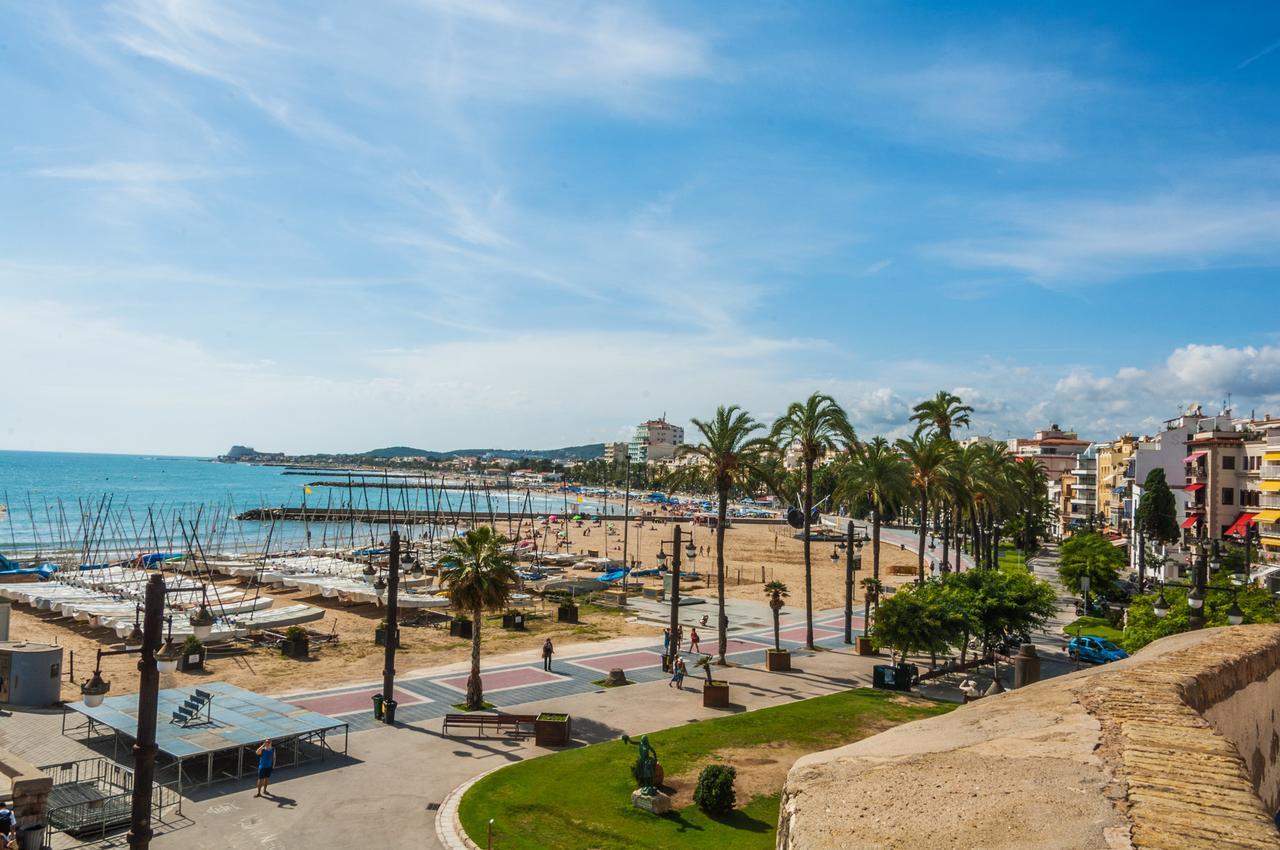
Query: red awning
x=1191 y=488
x=1190 y=521
x=1193 y=456
x=1240 y=525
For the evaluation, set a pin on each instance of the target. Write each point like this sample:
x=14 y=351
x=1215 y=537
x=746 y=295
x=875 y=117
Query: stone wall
x=1174 y=748
x=25 y=787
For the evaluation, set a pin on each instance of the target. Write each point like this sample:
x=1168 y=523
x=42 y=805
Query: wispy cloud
x=128 y=172
x=1261 y=53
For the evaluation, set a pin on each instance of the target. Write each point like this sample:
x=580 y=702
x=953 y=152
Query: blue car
x=1095 y=650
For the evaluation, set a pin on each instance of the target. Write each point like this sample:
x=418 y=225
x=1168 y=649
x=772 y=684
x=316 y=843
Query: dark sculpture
x=646 y=764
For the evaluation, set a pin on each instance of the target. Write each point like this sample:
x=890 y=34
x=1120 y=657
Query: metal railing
x=94 y=796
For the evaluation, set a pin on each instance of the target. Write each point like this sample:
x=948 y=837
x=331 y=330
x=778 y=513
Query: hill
x=584 y=452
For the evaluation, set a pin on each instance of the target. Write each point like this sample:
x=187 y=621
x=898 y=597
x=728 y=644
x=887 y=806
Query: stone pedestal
x=777 y=660
x=617 y=676
x=715 y=695
x=1026 y=666
x=658 y=803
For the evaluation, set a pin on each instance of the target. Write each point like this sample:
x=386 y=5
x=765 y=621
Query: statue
x=646 y=764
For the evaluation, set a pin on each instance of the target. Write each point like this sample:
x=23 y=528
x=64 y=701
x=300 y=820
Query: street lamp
x=1235 y=616
x=852 y=563
x=1161 y=606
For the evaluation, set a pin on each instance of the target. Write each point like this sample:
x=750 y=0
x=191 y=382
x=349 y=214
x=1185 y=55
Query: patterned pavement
x=433 y=696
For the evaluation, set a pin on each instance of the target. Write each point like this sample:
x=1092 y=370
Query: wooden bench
x=498 y=722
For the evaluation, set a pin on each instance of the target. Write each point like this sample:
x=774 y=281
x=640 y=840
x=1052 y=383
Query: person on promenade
x=547 y=651
x=266 y=761
x=677 y=674
x=679 y=637
x=8 y=827
x=666 y=641
x=693 y=640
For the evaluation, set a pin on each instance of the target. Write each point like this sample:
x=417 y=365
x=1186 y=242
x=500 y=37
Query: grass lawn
x=1011 y=560
x=582 y=797
x=1096 y=626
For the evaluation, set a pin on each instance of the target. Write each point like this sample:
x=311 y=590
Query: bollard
x=1026 y=666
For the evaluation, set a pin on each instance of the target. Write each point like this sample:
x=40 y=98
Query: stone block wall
x=26 y=788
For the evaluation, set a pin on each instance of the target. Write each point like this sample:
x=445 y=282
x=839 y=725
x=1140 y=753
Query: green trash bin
x=377 y=706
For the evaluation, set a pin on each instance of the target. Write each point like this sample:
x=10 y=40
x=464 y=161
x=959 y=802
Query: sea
x=104 y=505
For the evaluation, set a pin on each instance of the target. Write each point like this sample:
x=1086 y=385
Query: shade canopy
x=1190 y=521
x=1269 y=486
x=1194 y=456
x=1191 y=488
x=1269 y=515
x=1241 y=525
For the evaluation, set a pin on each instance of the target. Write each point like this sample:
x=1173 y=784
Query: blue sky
x=332 y=226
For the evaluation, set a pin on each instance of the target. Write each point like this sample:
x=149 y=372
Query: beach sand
x=752 y=552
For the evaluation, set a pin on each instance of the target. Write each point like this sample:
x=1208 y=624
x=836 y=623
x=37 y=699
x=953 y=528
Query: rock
x=658 y=803
x=617 y=677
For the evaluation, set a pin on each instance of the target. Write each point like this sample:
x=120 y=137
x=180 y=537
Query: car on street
x=1095 y=650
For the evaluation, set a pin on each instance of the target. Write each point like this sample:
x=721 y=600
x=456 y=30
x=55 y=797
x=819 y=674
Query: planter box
x=299 y=648
x=715 y=695
x=863 y=646
x=460 y=628
x=193 y=661
x=551 y=730
x=513 y=620
x=567 y=614
x=777 y=660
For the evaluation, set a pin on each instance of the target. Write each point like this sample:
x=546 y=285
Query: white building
x=655 y=440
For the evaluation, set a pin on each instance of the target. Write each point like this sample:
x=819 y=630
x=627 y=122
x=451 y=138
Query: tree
x=1143 y=626
x=908 y=622
x=812 y=427
x=1090 y=555
x=479 y=576
x=928 y=459
x=1003 y=605
x=941 y=413
x=777 y=591
x=875 y=476
x=735 y=462
x=1157 y=516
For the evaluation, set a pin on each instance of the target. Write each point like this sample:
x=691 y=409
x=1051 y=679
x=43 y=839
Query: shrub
x=714 y=794
x=295 y=633
x=191 y=645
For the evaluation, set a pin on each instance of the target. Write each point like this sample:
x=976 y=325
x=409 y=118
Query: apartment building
x=1080 y=496
x=1055 y=450
x=615 y=452
x=1115 y=470
x=655 y=440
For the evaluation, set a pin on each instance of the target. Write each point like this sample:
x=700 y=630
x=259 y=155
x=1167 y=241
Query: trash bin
x=389 y=712
x=31 y=837
x=882 y=676
x=377 y=706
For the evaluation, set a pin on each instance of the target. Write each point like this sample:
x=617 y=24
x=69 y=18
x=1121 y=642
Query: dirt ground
x=753 y=554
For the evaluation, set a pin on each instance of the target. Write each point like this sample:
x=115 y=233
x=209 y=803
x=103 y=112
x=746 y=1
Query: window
x=1228 y=461
x=1228 y=496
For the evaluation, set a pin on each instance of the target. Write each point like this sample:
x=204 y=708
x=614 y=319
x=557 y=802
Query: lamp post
x=391 y=634
x=1199 y=580
x=852 y=563
x=674 y=577
x=626 y=528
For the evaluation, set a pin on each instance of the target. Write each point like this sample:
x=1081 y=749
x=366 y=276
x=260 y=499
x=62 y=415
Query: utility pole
x=848 y=583
x=391 y=634
x=144 y=747
x=626 y=527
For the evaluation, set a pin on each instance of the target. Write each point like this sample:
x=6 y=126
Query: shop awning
x=1269 y=515
x=1190 y=521
x=1269 y=486
x=1240 y=525
x=1194 y=456
x=1191 y=488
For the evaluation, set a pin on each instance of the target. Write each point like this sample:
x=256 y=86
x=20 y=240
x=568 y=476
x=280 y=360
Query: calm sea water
x=58 y=499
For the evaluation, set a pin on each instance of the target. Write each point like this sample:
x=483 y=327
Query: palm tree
x=479 y=576
x=878 y=474
x=928 y=460
x=777 y=591
x=734 y=460
x=812 y=428
x=941 y=413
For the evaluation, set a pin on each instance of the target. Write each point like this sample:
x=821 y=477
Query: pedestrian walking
x=666 y=641
x=693 y=640
x=679 y=638
x=547 y=651
x=677 y=674
x=266 y=761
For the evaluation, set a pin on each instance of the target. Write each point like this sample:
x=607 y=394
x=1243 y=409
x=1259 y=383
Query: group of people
x=678 y=668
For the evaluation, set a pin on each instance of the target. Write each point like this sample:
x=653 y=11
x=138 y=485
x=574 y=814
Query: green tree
x=479 y=575
x=812 y=428
x=909 y=622
x=877 y=477
x=1157 y=516
x=1090 y=555
x=928 y=460
x=1005 y=604
x=1143 y=626
x=734 y=462
x=941 y=413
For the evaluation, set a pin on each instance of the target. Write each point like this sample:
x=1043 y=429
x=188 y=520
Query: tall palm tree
x=734 y=460
x=812 y=428
x=479 y=576
x=941 y=413
x=878 y=474
x=928 y=458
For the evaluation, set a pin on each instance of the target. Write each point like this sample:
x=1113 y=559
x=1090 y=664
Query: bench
x=498 y=722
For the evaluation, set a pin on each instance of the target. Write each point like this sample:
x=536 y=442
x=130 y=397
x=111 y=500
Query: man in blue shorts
x=266 y=761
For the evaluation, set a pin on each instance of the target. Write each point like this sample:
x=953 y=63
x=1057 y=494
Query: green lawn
x=582 y=797
x=1096 y=626
x=1011 y=560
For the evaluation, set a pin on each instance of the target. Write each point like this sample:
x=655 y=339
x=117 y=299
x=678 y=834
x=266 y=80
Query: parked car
x=1095 y=650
